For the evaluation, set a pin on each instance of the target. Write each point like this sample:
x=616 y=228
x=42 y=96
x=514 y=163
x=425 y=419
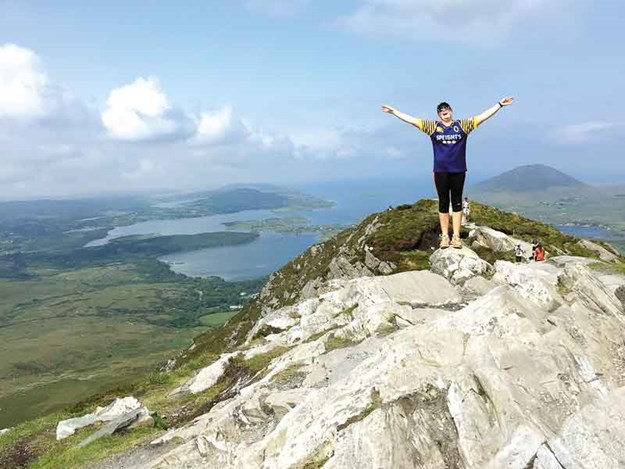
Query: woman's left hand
x=507 y=101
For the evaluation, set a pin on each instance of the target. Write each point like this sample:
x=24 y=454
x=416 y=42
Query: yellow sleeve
x=469 y=125
x=426 y=126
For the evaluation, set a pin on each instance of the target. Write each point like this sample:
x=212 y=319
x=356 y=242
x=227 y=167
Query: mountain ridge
x=527 y=178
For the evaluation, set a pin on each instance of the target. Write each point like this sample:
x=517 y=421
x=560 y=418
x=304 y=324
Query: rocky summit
x=468 y=364
x=376 y=350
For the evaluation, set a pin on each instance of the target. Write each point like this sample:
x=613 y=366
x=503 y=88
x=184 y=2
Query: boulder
x=118 y=408
x=477 y=286
x=342 y=267
x=139 y=415
x=415 y=288
x=458 y=265
x=206 y=377
x=497 y=241
x=591 y=290
x=535 y=281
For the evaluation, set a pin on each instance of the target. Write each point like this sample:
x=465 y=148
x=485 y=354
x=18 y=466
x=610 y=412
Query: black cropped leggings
x=449 y=183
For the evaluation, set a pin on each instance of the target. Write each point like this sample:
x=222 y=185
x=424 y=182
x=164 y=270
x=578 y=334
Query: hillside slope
x=375 y=349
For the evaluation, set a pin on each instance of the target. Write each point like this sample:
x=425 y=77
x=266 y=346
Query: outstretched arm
x=405 y=117
x=490 y=112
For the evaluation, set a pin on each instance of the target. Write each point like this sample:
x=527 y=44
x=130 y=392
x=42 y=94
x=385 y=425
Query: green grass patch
x=335 y=342
x=265 y=330
x=493 y=256
x=25 y=442
x=316 y=463
x=318 y=335
x=375 y=403
x=612 y=268
x=66 y=455
x=216 y=319
x=291 y=376
x=260 y=362
x=318 y=458
x=198 y=361
x=348 y=312
x=33 y=444
x=407 y=228
x=414 y=260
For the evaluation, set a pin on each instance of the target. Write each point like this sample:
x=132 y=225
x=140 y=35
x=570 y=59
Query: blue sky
x=120 y=96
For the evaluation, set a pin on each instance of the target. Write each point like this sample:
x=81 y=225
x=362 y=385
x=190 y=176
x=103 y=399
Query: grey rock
x=535 y=281
x=342 y=267
x=497 y=241
x=124 y=421
x=397 y=372
x=458 y=265
x=545 y=459
x=478 y=286
x=591 y=290
x=119 y=407
x=619 y=292
x=594 y=437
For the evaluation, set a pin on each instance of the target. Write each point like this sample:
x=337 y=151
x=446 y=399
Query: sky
x=115 y=96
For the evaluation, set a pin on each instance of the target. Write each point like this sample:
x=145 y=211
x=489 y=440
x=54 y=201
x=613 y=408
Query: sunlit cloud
x=26 y=92
x=220 y=127
x=141 y=111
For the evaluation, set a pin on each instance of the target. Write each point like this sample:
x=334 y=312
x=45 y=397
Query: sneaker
x=455 y=242
x=444 y=242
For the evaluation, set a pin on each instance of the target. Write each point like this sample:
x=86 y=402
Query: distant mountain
x=536 y=177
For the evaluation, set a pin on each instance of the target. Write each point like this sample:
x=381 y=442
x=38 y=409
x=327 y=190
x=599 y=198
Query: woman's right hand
x=387 y=108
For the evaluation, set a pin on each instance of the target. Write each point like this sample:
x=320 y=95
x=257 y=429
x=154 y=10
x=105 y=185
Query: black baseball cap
x=442 y=105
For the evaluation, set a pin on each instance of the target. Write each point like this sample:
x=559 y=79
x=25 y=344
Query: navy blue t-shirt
x=449 y=143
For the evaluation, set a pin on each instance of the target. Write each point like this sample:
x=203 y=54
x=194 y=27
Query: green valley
x=76 y=320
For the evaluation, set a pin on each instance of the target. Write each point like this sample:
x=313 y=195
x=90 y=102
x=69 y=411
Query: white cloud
x=224 y=127
x=482 y=22
x=587 y=131
x=221 y=127
x=141 y=111
x=277 y=7
x=25 y=91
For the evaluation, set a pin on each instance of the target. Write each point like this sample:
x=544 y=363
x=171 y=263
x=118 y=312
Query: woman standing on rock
x=449 y=140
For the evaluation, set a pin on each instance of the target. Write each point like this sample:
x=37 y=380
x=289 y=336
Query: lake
x=353 y=200
x=589 y=232
x=264 y=255
x=207 y=224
